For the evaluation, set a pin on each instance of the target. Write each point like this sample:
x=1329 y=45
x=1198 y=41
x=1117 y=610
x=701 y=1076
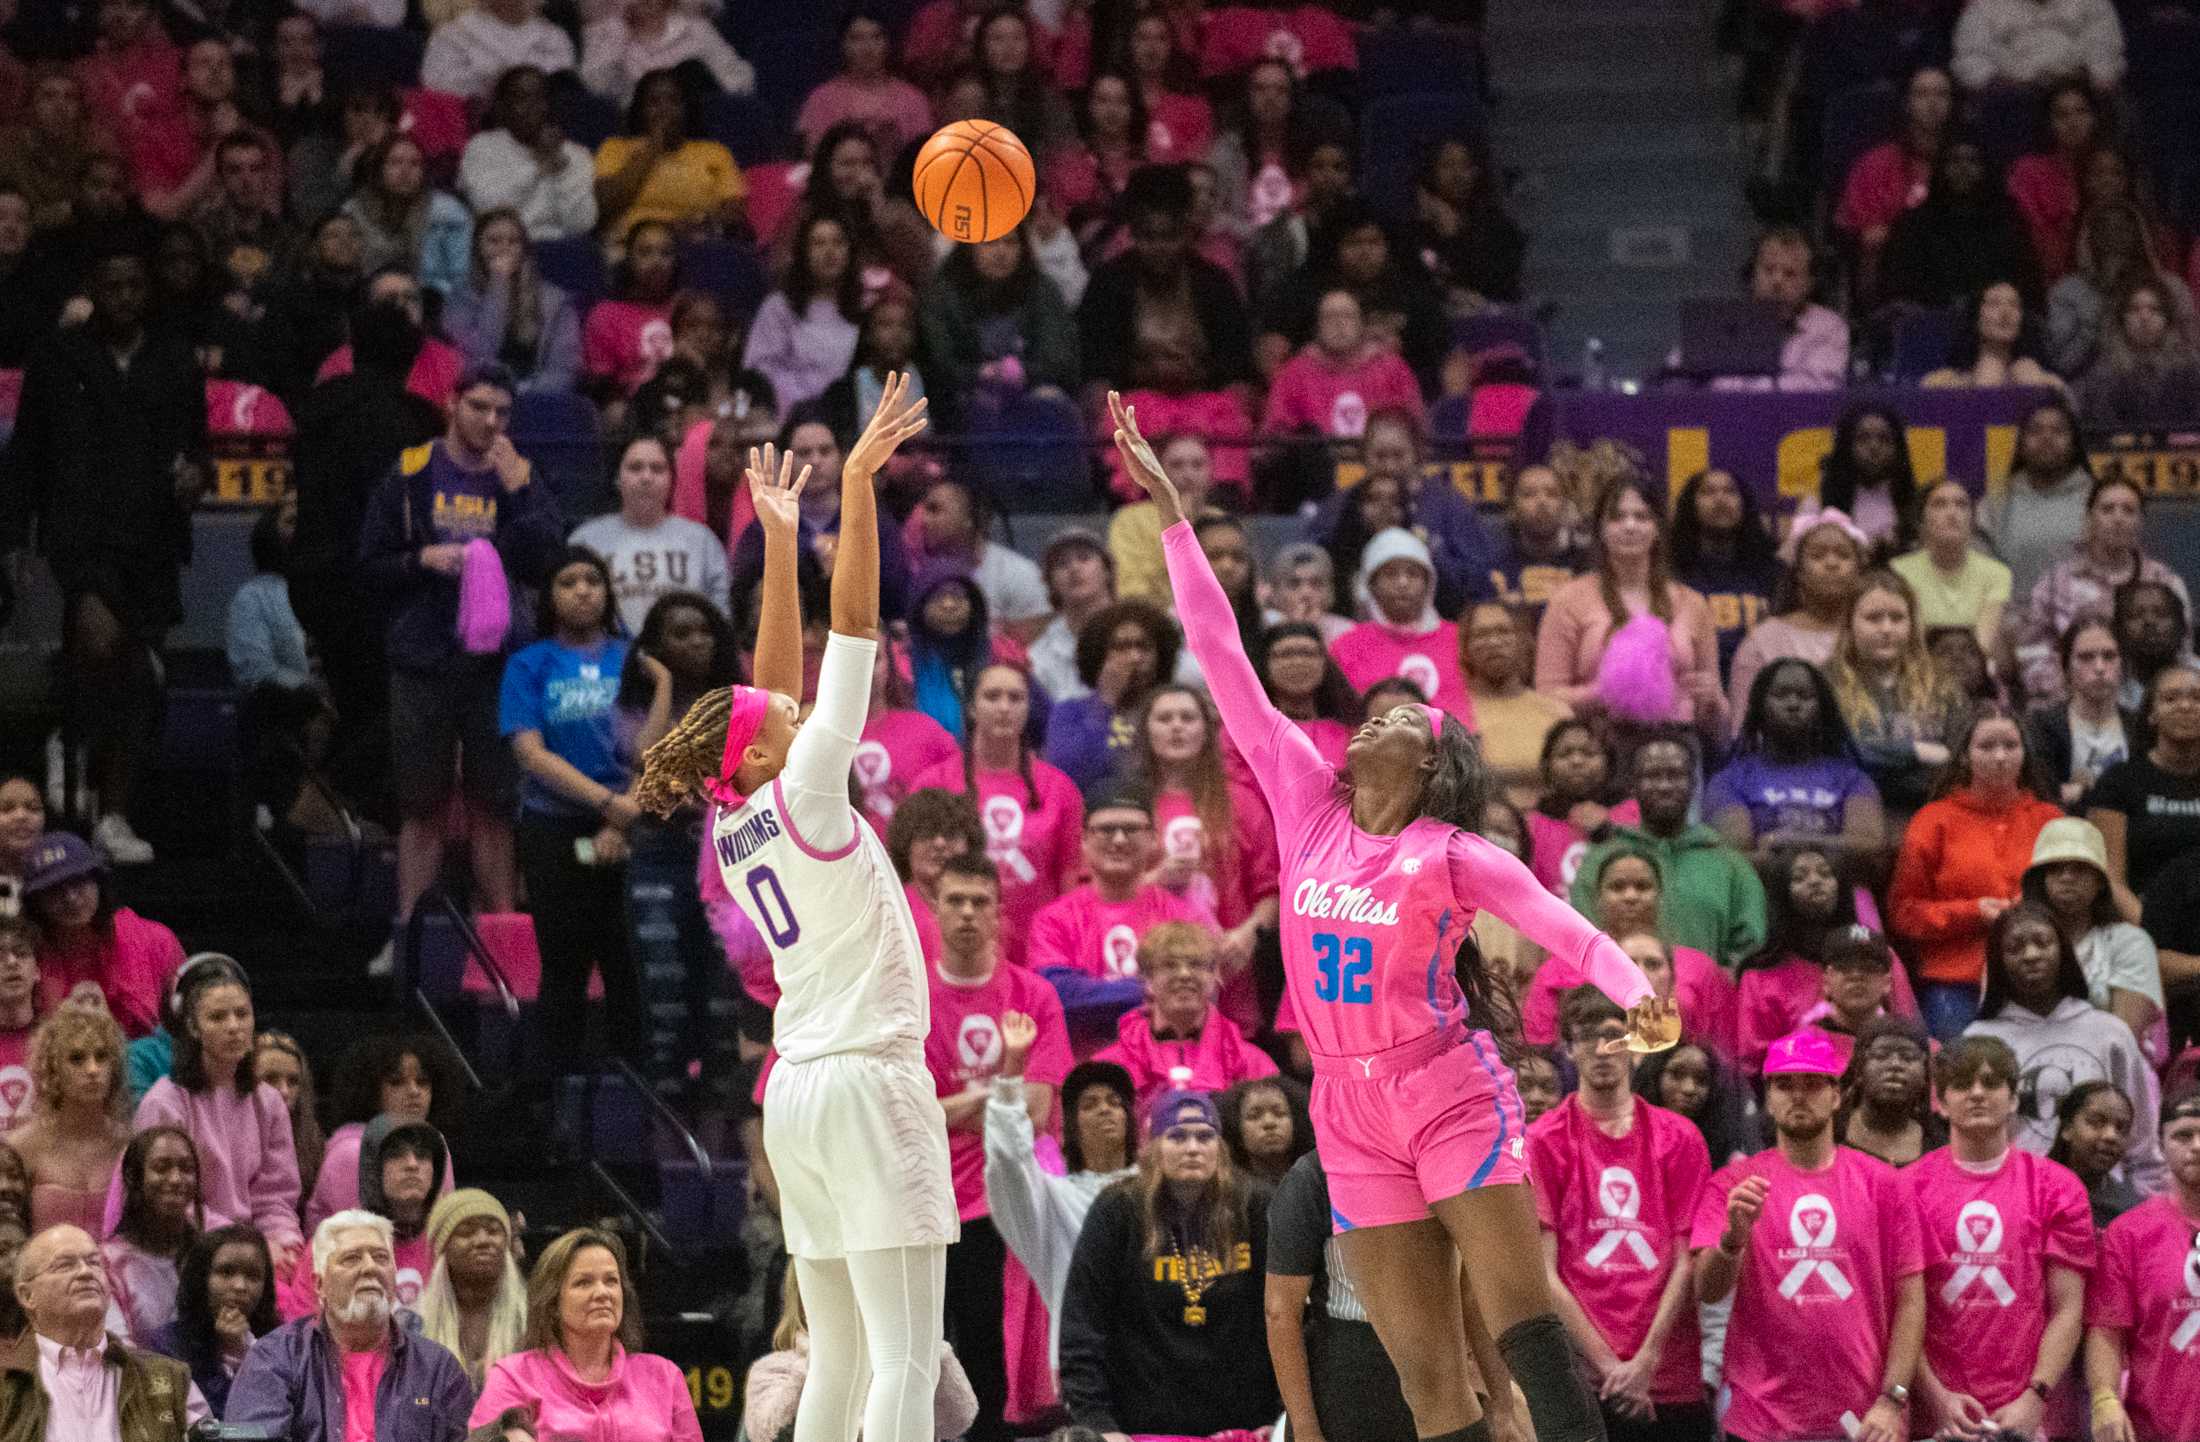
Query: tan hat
x=2069 y=838
x=462 y=1206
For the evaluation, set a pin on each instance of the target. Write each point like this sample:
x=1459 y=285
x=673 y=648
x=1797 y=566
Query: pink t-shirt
x=1314 y=393
x=1244 y=874
x=896 y=747
x=928 y=925
x=2148 y=1287
x=1556 y=847
x=434 y=375
x=1038 y=849
x=1989 y=1238
x=964 y=1046
x=1705 y=994
x=1331 y=738
x=1179 y=128
x=1819 y=1278
x=1776 y=999
x=1081 y=931
x=1368 y=922
x=1621 y=1209
x=1217 y=1059
x=627 y=340
x=1885 y=181
x=362 y=1375
x=1375 y=651
x=1308 y=38
x=17 y=1091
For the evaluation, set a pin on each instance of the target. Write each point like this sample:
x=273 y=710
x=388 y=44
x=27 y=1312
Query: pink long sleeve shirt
x=248 y=1165
x=1370 y=923
x=645 y=1399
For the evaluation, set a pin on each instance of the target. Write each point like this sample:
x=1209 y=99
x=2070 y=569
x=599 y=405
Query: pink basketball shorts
x=1416 y=1124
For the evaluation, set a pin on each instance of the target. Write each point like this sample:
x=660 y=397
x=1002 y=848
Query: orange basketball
x=974 y=181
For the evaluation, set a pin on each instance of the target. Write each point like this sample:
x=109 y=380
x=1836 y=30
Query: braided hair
x=674 y=770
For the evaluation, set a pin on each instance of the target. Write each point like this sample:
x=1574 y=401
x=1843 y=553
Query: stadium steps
x=1616 y=120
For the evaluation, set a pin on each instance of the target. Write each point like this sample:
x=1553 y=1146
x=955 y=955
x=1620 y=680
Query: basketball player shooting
x=852 y=1125
x=1417 y=1115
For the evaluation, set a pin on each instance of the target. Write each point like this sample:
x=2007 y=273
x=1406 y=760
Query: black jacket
x=1129 y=1361
x=2047 y=734
x=93 y=464
x=1107 y=320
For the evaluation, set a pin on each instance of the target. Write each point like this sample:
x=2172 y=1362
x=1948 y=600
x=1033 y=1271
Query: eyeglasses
x=71 y=1263
x=1118 y=830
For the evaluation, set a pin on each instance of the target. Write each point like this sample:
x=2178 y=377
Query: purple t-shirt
x=1810 y=797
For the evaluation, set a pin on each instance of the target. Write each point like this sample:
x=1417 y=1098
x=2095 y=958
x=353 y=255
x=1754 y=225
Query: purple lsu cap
x=1805 y=1053
x=1168 y=1110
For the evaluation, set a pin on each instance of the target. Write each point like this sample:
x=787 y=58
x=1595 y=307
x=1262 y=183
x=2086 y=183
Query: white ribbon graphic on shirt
x=1978 y=1236
x=2182 y=1338
x=1811 y=1223
x=1621 y=1197
x=1004 y=835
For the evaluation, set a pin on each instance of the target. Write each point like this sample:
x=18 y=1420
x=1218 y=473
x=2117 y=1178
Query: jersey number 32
x=1344 y=962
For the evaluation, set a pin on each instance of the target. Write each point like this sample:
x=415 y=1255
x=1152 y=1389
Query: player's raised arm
x=776 y=493
x=855 y=567
x=1281 y=755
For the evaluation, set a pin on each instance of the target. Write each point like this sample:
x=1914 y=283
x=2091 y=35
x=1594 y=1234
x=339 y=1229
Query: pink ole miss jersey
x=1371 y=924
x=1620 y=1209
x=2148 y=1287
x=1989 y=1239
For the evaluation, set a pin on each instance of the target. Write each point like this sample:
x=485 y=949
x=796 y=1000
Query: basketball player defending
x=1418 y=1119
x=852 y=1124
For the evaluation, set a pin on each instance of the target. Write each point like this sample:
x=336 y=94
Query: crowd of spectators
x=1898 y=794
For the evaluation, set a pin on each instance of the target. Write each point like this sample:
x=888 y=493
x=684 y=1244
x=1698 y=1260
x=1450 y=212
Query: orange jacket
x=1957 y=850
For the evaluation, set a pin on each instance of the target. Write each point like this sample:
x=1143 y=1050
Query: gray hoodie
x=2078 y=1042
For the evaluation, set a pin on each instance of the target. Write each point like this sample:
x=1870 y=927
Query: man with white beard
x=306 y=1378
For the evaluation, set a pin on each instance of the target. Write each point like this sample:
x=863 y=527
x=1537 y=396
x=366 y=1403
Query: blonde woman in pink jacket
x=581 y=1373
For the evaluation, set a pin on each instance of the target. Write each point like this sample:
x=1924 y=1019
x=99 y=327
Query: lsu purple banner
x=1774 y=441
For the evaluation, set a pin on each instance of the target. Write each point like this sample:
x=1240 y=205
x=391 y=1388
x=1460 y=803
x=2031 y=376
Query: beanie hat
x=464 y=1205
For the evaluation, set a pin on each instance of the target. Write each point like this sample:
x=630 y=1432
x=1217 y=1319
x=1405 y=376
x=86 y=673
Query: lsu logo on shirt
x=1814 y=1273
x=978 y=1045
x=1119 y=951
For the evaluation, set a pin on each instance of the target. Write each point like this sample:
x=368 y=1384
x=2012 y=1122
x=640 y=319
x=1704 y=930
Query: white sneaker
x=123 y=846
x=384 y=962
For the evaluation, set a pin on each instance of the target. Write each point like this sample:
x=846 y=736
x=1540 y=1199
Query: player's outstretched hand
x=775 y=489
x=896 y=420
x=1653 y=1025
x=1141 y=462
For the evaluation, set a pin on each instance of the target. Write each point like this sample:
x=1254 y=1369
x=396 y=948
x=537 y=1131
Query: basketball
x=974 y=181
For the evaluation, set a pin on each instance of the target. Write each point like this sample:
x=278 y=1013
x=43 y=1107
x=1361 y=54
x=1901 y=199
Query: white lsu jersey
x=816 y=882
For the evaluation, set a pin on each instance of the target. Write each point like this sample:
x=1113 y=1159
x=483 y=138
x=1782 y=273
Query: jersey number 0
x=771 y=904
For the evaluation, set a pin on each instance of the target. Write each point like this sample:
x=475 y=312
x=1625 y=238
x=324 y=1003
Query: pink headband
x=1809 y=521
x=744 y=718
x=1435 y=720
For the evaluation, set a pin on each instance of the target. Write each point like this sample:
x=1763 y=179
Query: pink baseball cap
x=1805 y=1053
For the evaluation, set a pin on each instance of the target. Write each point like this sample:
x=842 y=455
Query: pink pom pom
x=1635 y=678
x=484 y=600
